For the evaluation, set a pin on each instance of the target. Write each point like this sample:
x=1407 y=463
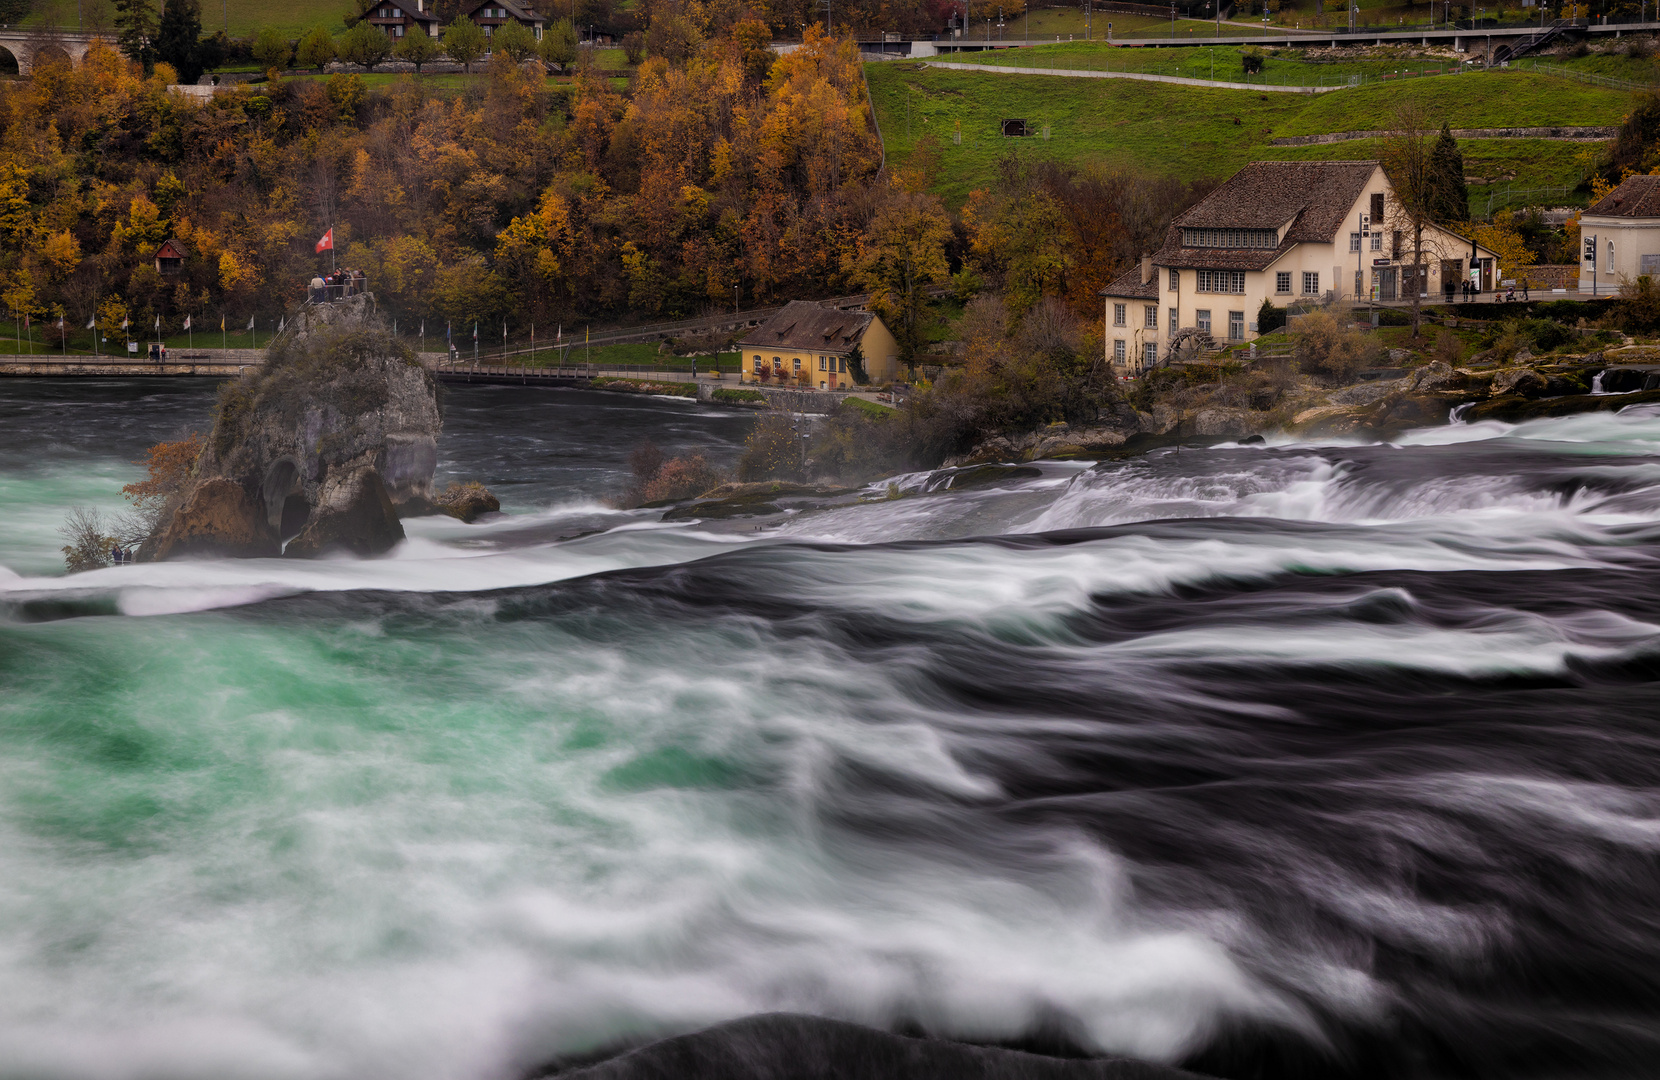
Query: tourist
x=1524 y=290
x=317 y=295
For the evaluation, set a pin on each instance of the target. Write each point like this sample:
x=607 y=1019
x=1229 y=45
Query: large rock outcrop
x=321 y=449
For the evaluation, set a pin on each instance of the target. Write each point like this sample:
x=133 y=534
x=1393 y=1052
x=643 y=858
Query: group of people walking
x=120 y=555
x=338 y=285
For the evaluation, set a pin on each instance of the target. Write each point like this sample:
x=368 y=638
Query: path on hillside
x=1179 y=80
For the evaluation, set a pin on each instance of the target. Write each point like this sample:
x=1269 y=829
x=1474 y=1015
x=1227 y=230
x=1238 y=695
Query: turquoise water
x=1252 y=748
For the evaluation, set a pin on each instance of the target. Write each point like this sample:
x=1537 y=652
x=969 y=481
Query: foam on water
x=1158 y=755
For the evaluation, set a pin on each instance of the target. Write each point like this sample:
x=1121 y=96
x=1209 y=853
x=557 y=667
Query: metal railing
x=1589 y=77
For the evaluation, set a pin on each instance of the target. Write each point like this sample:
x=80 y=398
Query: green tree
x=136 y=26
x=463 y=42
x=365 y=44
x=417 y=48
x=270 y=48
x=514 y=39
x=316 y=49
x=179 y=39
x=1449 y=198
x=558 y=45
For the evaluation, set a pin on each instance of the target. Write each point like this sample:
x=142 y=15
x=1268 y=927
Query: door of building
x=1384 y=283
x=1487 y=275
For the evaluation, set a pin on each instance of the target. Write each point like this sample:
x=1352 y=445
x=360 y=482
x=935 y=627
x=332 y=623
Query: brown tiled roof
x=808 y=327
x=1314 y=197
x=179 y=250
x=514 y=11
x=1637 y=196
x=1130 y=285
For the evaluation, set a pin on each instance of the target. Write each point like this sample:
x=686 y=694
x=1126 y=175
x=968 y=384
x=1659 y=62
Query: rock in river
x=321 y=448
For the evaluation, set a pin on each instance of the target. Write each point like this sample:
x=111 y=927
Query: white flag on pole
x=282 y=322
x=92 y=322
x=250 y=322
x=187 y=322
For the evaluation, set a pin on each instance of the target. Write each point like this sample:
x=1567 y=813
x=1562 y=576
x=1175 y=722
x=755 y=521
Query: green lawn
x=1198 y=131
x=239 y=18
x=1223 y=62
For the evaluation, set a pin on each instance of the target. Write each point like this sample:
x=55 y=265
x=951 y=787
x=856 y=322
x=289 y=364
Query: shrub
x=772 y=451
x=88 y=547
x=1323 y=346
x=634 y=47
x=682 y=478
x=1269 y=317
x=1638 y=307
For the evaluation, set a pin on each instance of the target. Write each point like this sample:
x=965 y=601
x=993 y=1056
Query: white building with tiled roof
x=1620 y=236
x=1279 y=231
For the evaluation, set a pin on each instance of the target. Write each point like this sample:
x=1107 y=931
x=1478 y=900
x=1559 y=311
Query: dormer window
x=1231 y=238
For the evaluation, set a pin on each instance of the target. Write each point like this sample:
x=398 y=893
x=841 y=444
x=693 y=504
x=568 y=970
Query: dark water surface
x=1268 y=761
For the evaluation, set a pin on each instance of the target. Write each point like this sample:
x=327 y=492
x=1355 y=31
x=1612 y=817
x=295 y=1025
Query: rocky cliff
x=320 y=450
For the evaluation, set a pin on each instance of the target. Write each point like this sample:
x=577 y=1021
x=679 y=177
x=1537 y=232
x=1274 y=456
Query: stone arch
x=51 y=52
x=283 y=492
x=9 y=64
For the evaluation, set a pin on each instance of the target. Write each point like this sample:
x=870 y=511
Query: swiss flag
x=327 y=242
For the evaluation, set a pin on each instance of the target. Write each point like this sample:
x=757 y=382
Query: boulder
x=218 y=519
x=468 y=502
x=1439 y=375
x=354 y=516
x=339 y=424
x=1519 y=381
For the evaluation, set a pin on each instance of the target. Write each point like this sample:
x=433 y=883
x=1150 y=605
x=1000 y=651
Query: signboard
x=1380 y=262
x=1366 y=224
x=1591 y=250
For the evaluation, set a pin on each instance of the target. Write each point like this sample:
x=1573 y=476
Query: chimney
x=1146 y=269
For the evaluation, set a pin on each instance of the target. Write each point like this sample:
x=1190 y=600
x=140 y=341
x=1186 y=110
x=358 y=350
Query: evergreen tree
x=135 y=32
x=1449 y=199
x=178 y=39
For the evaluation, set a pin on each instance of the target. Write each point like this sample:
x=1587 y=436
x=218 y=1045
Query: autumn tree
x=167 y=468
x=900 y=255
x=464 y=42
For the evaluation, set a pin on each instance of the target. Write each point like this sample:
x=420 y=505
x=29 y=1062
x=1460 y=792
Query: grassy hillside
x=240 y=17
x=1197 y=131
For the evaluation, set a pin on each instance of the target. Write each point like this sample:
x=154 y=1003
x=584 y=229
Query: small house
x=397 y=19
x=170 y=257
x=809 y=345
x=495 y=13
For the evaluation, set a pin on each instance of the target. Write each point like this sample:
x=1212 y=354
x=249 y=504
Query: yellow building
x=807 y=345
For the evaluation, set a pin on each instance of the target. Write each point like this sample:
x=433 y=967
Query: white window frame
x=1175 y=320
x=1222 y=281
x=1236 y=326
x=1149 y=353
x=1175 y=279
x=1282 y=283
x=1354 y=241
x=1201 y=319
x=1118 y=350
x=1311 y=283
x=1150 y=316
x=1119 y=314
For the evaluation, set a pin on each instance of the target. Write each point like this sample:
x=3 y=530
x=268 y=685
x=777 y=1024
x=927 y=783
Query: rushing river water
x=1290 y=760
